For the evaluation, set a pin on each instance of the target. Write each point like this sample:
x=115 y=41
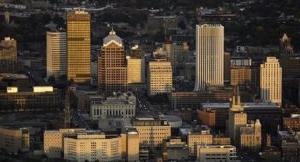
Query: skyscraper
x=79 y=46
x=271 y=81
x=8 y=55
x=112 y=68
x=56 y=54
x=209 y=56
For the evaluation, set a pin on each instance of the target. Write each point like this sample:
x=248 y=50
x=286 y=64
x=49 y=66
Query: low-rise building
x=152 y=132
x=251 y=137
x=195 y=138
x=14 y=140
x=216 y=153
x=120 y=106
x=175 y=149
x=41 y=98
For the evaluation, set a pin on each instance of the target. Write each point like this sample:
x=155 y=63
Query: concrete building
x=175 y=150
x=251 y=137
x=79 y=46
x=160 y=78
x=56 y=54
x=221 y=140
x=92 y=146
x=209 y=56
x=135 y=70
x=80 y=145
x=40 y=98
x=271 y=81
x=237 y=118
x=14 y=140
x=8 y=55
x=152 y=132
x=195 y=138
x=54 y=139
x=118 y=106
x=112 y=68
x=216 y=153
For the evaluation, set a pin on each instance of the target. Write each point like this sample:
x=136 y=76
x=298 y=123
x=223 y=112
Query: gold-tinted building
x=160 y=77
x=240 y=75
x=251 y=136
x=79 y=46
x=8 y=55
x=112 y=68
x=152 y=132
x=197 y=138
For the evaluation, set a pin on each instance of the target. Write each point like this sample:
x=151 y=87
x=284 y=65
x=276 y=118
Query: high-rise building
x=237 y=117
x=209 y=56
x=8 y=55
x=112 y=68
x=56 y=54
x=240 y=76
x=271 y=81
x=159 y=77
x=79 y=46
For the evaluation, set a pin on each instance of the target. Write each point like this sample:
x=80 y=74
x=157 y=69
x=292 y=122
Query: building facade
x=112 y=68
x=160 y=78
x=271 y=81
x=216 y=153
x=152 y=132
x=197 y=138
x=123 y=106
x=14 y=140
x=43 y=99
x=135 y=70
x=240 y=76
x=251 y=137
x=209 y=56
x=56 y=54
x=8 y=55
x=79 y=46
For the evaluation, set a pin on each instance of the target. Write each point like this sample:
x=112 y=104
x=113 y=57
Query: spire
x=235 y=104
x=112 y=32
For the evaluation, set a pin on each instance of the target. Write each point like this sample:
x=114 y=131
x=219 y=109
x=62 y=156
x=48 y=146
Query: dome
x=112 y=37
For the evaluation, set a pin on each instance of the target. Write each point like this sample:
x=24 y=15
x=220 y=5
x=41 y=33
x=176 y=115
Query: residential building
x=79 y=46
x=209 y=56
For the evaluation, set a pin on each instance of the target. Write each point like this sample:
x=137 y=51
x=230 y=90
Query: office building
x=54 y=139
x=14 y=140
x=175 y=149
x=159 y=77
x=237 y=117
x=112 y=68
x=152 y=132
x=221 y=140
x=209 y=56
x=251 y=137
x=79 y=46
x=271 y=81
x=118 y=106
x=8 y=55
x=135 y=70
x=216 y=153
x=240 y=76
x=56 y=54
x=130 y=145
x=39 y=99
